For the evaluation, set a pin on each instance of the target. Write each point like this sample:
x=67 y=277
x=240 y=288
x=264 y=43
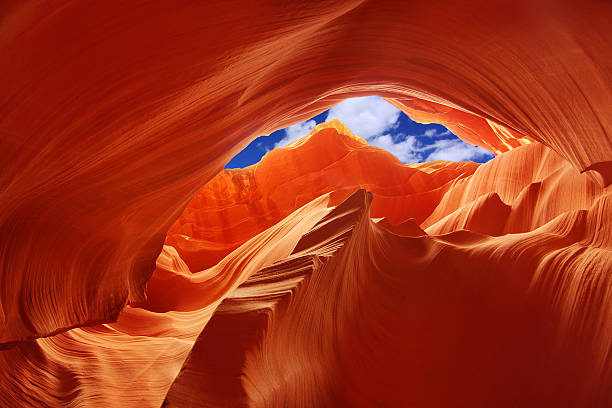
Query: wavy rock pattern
x=450 y=284
x=471 y=128
x=133 y=361
x=356 y=313
x=514 y=270
x=236 y=204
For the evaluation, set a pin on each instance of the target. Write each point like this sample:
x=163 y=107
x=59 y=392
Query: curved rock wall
x=115 y=114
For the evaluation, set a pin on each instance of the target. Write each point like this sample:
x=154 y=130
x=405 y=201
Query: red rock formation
x=471 y=128
x=491 y=290
x=351 y=325
x=445 y=303
x=115 y=114
x=237 y=204
x=133 y=361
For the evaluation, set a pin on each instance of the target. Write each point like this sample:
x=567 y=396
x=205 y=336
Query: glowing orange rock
x=473 y=129
x=237 y=204
x=358 y=316
x=109 y=127
x=445 y=303
x=114 y=115
x=103 y=365
x=525 y=193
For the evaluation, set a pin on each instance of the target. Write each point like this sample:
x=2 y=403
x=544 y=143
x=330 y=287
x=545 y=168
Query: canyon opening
x=380 y=124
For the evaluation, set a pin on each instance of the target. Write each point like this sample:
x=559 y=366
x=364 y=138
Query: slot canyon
x=137 y=271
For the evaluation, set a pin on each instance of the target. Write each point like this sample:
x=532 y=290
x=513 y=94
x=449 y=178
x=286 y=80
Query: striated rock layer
x=447 y=284
x=450 y=284
x=236 y=204
x=115 y=114
x=358 y=316
x=507 y=300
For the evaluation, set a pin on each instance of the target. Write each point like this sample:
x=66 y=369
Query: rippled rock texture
x=137 y=272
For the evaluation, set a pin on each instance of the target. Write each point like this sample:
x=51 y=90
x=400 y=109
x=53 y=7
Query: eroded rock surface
x=482 y=285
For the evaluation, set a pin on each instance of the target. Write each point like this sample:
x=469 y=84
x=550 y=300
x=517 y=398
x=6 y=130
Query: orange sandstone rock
x=358 y=316
x=237 y=204
x=115 y=114
x=471 y=128
x=356 y=309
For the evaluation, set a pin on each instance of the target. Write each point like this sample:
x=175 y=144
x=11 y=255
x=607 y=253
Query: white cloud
x=406 y=150
x=410 y=150
x=377 y=121
x=367 y=116
x=296 y=132
x=435 y=133
x=430 y=133
x=455 y=150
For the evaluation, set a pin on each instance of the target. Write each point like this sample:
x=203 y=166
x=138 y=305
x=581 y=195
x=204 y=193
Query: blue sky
x=382 y=125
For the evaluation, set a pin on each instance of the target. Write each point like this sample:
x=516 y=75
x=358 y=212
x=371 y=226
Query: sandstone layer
x=437 y=284
x=115 y=115
x=497 y=275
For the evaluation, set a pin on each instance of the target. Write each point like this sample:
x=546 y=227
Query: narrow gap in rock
x=380 y=124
